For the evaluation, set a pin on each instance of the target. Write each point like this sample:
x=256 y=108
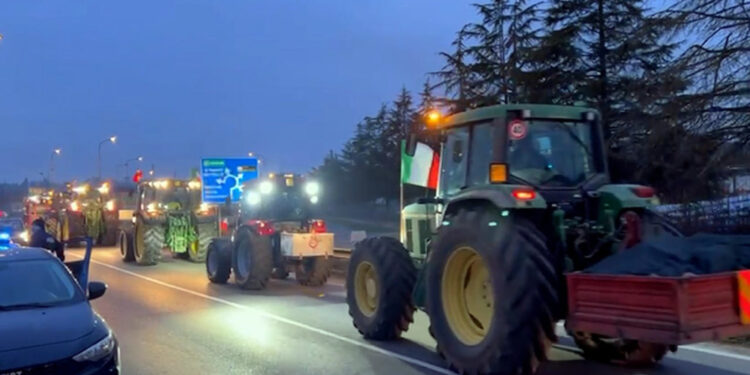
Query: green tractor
x=169 y=214
x=523 y=197
x=86 y=210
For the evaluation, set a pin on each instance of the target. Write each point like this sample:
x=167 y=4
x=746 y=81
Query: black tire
x=76 y=227
x=149 y=241
x=219 y=260
x=395 y=276
x=126 y=247
x=280 y=273
x=522 y=302
x=629 y=353
x=252 y=260
x=312 y=271
x=206 y=233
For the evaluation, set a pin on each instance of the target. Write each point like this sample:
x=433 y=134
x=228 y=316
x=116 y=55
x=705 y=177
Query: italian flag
x=421 y=168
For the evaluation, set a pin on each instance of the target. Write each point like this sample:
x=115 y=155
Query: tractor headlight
x=252 y=198
x=266 y=187
x=312 y=188
x=314 y=199
x=97 y=351
x=110 y=205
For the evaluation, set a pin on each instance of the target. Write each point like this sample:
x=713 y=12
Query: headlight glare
x=312 y=188
x=97 y=351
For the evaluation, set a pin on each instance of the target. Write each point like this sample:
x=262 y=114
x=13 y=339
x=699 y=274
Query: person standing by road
x=40 y=238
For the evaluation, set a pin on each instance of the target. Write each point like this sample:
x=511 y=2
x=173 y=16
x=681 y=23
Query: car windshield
x=36 y=283
x=551 y=153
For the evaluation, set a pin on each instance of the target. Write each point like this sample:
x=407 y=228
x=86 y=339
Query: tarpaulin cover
x=676 y=256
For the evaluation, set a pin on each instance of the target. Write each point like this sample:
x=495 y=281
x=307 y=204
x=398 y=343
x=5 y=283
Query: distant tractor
x=523 y=197
x=87 y=210
x=276 y=233
x=168 y=214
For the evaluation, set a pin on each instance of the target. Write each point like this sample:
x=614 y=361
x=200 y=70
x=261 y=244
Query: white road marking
x=280 y=319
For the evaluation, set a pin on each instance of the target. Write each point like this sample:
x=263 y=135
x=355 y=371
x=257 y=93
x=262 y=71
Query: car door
x=80 y=268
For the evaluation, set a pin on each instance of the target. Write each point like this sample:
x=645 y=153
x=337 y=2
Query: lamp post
x=55 y=152
x=112 y=140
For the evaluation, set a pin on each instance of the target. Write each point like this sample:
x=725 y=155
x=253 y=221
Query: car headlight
x=312 y=188
x=252 y=198
x=266 y=187
x=97 y=351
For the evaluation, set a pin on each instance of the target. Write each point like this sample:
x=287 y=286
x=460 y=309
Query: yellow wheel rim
x=140 y=242
x=193 y=248
x=467 y=295
x=366 y=288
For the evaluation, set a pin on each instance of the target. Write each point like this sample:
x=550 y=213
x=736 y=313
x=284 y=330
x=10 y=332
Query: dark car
x=47 y=325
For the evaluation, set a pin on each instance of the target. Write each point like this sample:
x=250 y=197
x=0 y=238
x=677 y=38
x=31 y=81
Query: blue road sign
x=222 y=178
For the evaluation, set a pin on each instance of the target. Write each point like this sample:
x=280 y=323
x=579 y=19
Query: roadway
x=170 y=320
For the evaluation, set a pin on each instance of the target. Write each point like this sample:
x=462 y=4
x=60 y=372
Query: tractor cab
x=554 y=150
x=281 y=199
x=169 y=196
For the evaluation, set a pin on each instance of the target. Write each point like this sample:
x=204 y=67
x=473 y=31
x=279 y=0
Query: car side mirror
x=96 y=289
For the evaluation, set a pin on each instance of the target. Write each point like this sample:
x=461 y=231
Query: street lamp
x=113 y=140
x=55 y=152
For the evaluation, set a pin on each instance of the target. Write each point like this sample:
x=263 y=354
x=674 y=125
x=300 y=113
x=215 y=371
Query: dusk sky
x=181 y=80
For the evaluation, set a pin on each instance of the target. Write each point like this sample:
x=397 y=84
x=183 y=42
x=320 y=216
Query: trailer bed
x=665 y=310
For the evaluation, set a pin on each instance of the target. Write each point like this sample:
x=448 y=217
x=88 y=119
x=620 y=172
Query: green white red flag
x=421 y=168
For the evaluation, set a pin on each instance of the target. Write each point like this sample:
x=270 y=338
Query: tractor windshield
x=175 y=198
x=551 y=153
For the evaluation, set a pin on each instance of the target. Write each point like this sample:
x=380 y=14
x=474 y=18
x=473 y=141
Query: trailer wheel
x=219 y=260
x=312 y=271
x=630 y=353
x=491 y=293
x=252 y=260
x=379 y=285
x=126 y=247
x=149 y=241
x=206 y=232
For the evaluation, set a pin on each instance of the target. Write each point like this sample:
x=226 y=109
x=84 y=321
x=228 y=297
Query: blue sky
x=181 y=80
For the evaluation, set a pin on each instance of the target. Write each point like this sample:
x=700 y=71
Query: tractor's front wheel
x=126 y=247
x=252 y=259
x=630 y=353
x=379 y=285
x=312 y=271
x=219 y=260
x=491 y=293
x=149 y=241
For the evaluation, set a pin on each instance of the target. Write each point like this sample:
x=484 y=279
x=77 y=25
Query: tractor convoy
x=521 y=207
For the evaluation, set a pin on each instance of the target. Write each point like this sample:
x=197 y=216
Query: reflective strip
x=743 y=278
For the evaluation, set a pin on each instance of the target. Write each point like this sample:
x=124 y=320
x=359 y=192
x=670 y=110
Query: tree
x=458 y=78
x=615 y=52
x=505 y=35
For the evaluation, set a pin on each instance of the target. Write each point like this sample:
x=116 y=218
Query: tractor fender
x=500 y=196
x=152 y=220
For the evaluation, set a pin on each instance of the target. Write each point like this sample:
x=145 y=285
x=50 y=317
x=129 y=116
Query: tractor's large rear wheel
x=149 y=241
x=252 y=260
x=491 y=293
x=379 y=286
x=206 y=232
x=219 y=260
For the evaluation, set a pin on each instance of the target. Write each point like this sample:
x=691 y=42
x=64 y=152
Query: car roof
x=24 y=253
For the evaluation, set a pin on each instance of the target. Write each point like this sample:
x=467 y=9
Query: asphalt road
x=170 y=320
